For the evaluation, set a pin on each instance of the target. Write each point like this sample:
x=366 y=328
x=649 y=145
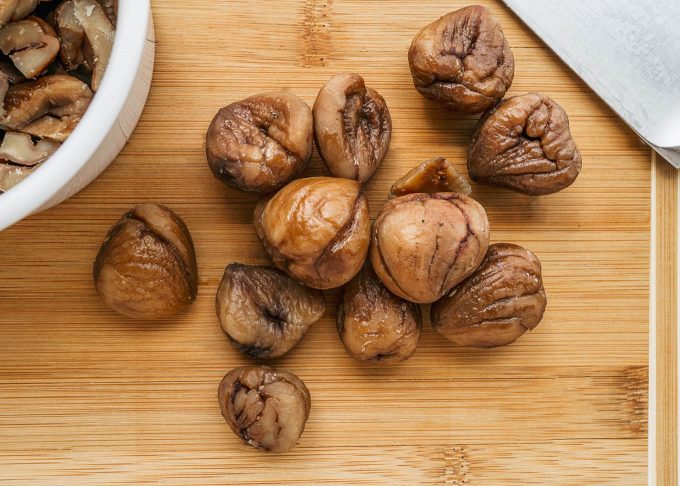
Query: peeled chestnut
x=425 y=244
x=260 y=143
x=266 y=408
x=263 y=311
x=317 y=230
x=498 y=303
x=524 y=144
x=146 y=267
x=462 y=60
x=374 y=324
x=352 y=127
x=432 y=176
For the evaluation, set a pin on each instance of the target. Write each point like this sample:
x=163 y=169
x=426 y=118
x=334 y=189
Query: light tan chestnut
x=498 y=303
x=374 y=324
x=317 y=230
x=146 y=267
x=432 y=176
x=425 y=244
x=352 y=127
x=266 y=408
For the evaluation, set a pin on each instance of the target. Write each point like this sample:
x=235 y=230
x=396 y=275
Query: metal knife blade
x=627 y=51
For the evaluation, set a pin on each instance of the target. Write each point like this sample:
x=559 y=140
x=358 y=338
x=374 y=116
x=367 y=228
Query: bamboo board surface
x=87 y=396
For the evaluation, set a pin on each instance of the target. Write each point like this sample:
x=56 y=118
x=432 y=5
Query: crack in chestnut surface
x=497 y=304
x=266 y=408
x=462 y=60
x=524 y=144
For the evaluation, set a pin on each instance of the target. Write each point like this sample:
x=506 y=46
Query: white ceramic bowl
x=106 y=126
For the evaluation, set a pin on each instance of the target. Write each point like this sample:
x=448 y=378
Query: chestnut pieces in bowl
x=146 y=267
x=462 y=61
x=352 y=127
x=425 y=244
x=260 y=143
x=524 y=144
x=266 y=408
x=498 y=303
x=432 y=176
x=263 y=311
x=374 y=324
x=317 y=230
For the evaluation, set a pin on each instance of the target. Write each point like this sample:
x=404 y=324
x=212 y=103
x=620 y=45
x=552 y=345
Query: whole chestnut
x=352 y=127
x=423 y=245
x=462 y=60
x=432 y=176
x=260 y=143
x=263 y=311
x=374 y=324
x=498 y=303
x=524 y=144
x=266 y=408
x=317 y=230
x=146 y=267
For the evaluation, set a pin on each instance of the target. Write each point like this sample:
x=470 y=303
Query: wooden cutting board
x=87 y=396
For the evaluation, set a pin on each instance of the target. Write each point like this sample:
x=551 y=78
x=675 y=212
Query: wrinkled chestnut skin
x=263 y=311
x=146 y=267
x=260 y=143
x=498 y=303
x=266 y=408
x=374 y=324
x=432 y=176
x=462 y=61
x=425 y=244
x=352 y=127
x=524 y=144
x=317 y=230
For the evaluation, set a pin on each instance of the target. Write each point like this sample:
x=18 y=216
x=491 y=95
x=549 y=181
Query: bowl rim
x=55 y=173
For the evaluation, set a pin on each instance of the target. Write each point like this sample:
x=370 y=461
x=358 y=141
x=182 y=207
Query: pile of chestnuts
x=428 y=245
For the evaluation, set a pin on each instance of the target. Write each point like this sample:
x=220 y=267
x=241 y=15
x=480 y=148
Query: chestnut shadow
x=450 y=127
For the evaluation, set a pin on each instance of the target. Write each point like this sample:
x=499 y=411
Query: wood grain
x=667 y=181
x=89 y=397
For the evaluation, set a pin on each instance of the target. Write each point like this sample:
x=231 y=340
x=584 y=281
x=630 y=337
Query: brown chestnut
x=260 y=143
x=266 y=408
x=432 y=176
x=317 y=230
x=425 y=244
x=146 y=267
x=524 y=144
x=498 y=303
x=462 y=60
x=352 y=127
x=374 y=324
x=263 y=311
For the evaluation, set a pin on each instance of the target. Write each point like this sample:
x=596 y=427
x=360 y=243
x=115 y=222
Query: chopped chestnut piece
x=425 y=244
x=12 y=10
x=352 y=127
x=18 y=148
x=376 y=325
x=264 y=312
x=317 y=230
x=49 y=107
x=498 y=303
x=99 y=32
x=11 y=175
x=432 y=176
x=266 y=408
x=462 y=60
x=146 y=267
x=524 y=144
x=260 y=143
x=31 y=45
